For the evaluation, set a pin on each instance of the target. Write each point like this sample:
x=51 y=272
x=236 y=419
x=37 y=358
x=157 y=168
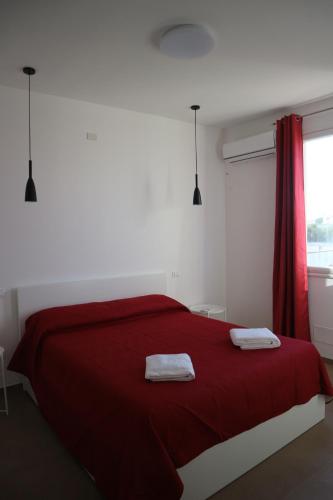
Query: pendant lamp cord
x=29 y=125
x=195 y=141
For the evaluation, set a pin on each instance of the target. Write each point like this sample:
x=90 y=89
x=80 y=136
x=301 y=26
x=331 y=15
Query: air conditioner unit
x=251 y=147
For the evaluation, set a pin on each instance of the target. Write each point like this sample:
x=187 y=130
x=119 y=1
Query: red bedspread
x=87 y=364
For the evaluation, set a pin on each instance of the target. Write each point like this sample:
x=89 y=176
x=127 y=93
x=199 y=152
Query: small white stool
x=210 y=311
x=2 y=352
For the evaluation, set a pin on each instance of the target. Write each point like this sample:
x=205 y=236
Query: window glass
x=318 y=169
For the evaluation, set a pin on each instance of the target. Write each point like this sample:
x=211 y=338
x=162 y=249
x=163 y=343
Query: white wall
x=121 y=204
x=250 y=213
x=250 y=196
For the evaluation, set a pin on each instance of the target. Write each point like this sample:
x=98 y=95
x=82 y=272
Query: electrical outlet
x=91 y=136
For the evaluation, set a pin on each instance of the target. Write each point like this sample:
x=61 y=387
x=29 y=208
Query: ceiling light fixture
x=196 y=194
x=187 y=41
x=30 y=190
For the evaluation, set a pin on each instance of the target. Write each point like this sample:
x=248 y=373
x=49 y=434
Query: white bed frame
x=219 y=465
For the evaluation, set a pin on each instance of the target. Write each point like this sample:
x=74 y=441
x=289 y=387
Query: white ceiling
x=270 y=54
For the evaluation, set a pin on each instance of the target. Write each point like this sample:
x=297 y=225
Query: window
x=318 y=169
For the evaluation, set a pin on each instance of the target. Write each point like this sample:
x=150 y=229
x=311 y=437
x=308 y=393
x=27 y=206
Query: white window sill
x=321 y=272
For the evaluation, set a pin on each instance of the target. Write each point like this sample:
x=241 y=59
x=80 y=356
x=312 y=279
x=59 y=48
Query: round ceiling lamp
x=187 y=41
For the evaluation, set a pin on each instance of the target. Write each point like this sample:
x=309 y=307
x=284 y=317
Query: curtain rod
x=314 y=113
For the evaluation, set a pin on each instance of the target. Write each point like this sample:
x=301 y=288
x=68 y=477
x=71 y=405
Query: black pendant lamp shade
x=30 y=190
x=196 y=194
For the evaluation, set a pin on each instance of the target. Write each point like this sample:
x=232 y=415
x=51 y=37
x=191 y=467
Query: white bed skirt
x=225 y=462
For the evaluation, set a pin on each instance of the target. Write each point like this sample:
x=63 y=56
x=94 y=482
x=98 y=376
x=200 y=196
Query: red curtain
x=290 y=279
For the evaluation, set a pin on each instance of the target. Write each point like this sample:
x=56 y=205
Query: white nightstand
x=2 y=360
x=210 y=311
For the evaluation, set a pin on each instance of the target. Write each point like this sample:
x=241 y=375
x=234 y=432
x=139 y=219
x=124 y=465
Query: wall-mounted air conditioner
x=249 y=148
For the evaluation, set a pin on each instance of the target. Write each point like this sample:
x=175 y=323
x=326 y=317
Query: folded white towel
x=169 y=367
x=254 y=338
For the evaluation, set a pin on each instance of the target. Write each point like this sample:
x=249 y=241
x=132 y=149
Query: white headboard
x=31 y=299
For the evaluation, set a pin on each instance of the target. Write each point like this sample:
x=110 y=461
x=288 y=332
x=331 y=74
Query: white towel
x=169 y=367
x=254 y=338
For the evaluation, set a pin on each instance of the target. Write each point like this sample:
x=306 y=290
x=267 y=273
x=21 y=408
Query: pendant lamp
x=196 y=194
x=30 y=190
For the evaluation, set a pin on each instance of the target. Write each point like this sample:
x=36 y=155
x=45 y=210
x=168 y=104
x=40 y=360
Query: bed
x=143 y=440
